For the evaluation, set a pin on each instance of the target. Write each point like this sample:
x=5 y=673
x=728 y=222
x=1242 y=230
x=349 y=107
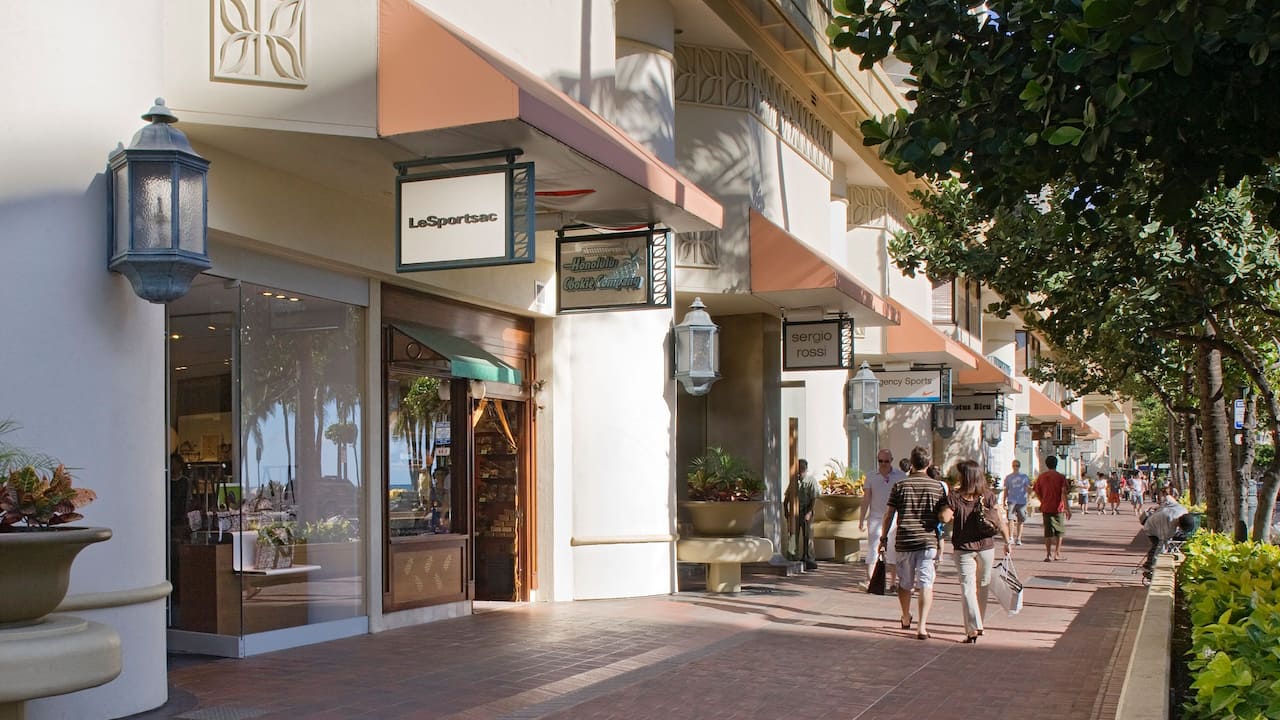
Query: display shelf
x=294 y=570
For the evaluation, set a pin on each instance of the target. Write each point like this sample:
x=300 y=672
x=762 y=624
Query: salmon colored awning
x=986 y=376
x=443 y=93
x=1042 y=409
x=790 y=274
x=917 y=340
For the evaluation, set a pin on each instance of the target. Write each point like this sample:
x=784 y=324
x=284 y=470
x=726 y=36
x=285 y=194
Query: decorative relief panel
x=875 y=207
x=737 y=80
x=698 y=249
x=260 y=41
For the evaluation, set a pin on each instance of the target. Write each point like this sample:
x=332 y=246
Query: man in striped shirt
x=919 y=503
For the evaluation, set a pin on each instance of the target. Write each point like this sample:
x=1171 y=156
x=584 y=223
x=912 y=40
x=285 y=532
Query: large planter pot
x=723 y=519
x=37 y=569
x=841 y=508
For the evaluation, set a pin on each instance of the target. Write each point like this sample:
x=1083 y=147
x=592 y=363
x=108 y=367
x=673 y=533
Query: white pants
x=974 y=567
x=874 y=528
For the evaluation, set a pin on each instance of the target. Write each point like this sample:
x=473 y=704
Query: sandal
x=970 y=640
x=923 y=636
x=906 y=624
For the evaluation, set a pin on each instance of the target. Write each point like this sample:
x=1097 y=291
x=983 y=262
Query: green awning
x=466 y=359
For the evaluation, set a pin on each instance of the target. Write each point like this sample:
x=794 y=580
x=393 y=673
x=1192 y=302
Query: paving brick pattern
x=810 y=646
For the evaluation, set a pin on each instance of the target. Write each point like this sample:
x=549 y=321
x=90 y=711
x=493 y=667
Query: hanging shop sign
x=476 y=216
x=817 y=345
x=977 y=407
x=611 y=271
x=911 y=386
x=1044 y=431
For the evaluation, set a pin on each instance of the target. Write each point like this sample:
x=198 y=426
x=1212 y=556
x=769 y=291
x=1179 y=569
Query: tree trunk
x=1175 y=456
x=1216 y=448
x=1244 y=470
x=1195 y=463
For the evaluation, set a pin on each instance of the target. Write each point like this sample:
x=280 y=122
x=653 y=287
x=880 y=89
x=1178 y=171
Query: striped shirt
x=917 y=501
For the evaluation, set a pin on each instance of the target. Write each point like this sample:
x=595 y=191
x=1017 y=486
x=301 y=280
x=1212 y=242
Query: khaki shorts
x=917 y=568
x=1053 y=526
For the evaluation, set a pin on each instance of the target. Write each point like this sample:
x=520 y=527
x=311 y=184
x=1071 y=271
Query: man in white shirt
x=1162 y=524
x=875 y=500
x=1016 y=485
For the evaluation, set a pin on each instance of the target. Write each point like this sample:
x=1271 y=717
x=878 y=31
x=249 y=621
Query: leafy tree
x=1014 y=94
x=1149 y=434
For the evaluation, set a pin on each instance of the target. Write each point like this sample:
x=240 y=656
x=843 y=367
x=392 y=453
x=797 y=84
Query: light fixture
x=862 y=395
x=478 y=390
x=158 y=225
x=1073 y=452
x=992 y=431
x=697 y=347
x=442 y=390
x=1023 y=437
x=944 y=419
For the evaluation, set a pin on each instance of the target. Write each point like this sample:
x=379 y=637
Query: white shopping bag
x=1007 y=587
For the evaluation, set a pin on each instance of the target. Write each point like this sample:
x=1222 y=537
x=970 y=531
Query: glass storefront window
x=420 y=473
x=266 y=403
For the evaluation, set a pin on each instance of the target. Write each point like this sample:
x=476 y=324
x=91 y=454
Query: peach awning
x=917 y=340
x=790 y=274
x=443 y=93
x=1042 y=409
x=986 y=376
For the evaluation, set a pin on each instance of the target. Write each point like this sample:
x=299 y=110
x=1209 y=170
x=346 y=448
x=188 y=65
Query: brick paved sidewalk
x=812 y=646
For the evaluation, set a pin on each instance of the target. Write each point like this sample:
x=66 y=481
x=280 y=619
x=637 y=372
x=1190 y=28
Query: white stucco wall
x=612 y=379
x=82 y=365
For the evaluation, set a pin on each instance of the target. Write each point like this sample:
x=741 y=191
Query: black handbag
x=876 y=585
x=985 y=521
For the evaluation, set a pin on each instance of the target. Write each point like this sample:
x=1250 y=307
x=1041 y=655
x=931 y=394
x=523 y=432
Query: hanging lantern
x=1024 y=435
x=944 y=419
x=862 y=395
x=158 y=210
x=697 y=346
x=992 y=431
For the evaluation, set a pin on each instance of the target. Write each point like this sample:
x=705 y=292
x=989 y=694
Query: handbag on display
x=876 y=585
x=1007 y=587
x=274 y=550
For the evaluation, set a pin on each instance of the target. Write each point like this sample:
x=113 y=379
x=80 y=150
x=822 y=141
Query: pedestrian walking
x=1051 y=488
x=1137 y=488
x=1082 y=492
x=1100 y=492
x=1016 y=485
x=804 y=491
x=875 y=498
x=973 y=542
x=1113 y=493
x=916 y=502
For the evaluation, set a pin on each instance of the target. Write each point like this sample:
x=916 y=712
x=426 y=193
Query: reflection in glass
x=420 y=478
x=300 y=405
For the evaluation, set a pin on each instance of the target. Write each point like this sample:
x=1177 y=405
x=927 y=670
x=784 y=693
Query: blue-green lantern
x=159 y=209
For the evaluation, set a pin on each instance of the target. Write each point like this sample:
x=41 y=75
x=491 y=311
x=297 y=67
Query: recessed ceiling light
x=279 y=296
x=181 y=367
x=213 y=327
x=267 y=293
x=175 y=336
x=293 y=299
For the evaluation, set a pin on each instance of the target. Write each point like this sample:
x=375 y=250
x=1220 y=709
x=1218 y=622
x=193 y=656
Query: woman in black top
x=974 y=542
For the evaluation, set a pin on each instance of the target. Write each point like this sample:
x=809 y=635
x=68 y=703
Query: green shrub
x=1232 y=593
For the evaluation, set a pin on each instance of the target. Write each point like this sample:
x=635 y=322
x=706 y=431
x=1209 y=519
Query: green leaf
x=1072 y=61
x=1099 y=13
x=1065 y=135
x=1258 y=52
x=1032 y=91
x=1149 y=57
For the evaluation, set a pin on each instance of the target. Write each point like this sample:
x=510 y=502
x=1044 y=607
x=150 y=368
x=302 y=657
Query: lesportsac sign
x=471 y=217
x=611 y=271
x=817 y=345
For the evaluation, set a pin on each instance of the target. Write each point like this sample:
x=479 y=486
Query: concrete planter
x=723 y=519
x=840 y=508
x=37 y=567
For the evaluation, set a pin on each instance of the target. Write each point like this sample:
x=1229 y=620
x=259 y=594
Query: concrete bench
x=848 y=538
x=724 y=557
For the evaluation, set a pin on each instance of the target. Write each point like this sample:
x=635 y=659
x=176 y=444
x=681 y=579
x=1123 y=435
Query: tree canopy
x=1010 y=95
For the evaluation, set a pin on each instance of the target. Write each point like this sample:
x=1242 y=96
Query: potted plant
x=333 y=544
x=842 y=489
x=725 y=494
x=37 y=499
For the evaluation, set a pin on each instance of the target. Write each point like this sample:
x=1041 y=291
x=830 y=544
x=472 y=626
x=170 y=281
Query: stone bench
x=848 y=538
x=724 y=557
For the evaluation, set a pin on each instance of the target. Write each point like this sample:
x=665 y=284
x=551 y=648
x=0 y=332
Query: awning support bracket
x=403 y=166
